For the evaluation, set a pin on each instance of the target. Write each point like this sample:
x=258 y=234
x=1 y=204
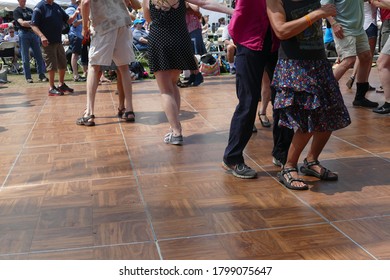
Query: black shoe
x=198 y=79
x=55 y=92
x=384 y=109
x=64 y=88
x=365 y=103
x=43 y=79
x=254 y=129
x=79 y=79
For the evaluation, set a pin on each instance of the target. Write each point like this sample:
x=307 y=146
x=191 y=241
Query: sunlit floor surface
x=117 y=191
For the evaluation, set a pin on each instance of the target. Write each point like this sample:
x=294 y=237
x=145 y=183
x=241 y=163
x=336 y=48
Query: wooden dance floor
x=116 y=191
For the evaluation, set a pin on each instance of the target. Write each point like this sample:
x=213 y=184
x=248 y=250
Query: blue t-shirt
x=49 y=18
x=75 y=31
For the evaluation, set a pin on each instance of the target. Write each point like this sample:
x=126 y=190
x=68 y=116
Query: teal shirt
x=350 y=15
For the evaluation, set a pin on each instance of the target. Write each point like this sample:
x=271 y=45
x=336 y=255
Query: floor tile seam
x=140 y=192
x=23 y=146
x=217 y=234
x=63 y=181
x=356 y=146
x=354 y=241
x=70 y=144
x=361 y=218
x=294 y=193
x=78 y=248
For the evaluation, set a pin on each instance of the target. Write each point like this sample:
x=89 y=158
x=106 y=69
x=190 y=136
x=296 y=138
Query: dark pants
x=282 y=136
x=250 y=66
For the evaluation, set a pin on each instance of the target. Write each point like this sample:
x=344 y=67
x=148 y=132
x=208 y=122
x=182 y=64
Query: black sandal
x=287 y=182
x=129 y=116
x=325 y=173
x=87 y=121
x=121 y=112
x=266 y=122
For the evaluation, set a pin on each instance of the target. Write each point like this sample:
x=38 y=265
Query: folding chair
x=140 y=55
x=7 y=54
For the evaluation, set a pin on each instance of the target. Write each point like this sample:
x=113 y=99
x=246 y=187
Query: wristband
x=308 y=20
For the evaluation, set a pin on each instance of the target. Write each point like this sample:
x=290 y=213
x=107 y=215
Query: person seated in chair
x=140 y=35
x=230 y=49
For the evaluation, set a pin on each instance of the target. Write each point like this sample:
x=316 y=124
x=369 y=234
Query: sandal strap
x=311 y=163
x=286 y=171
x=290 y=178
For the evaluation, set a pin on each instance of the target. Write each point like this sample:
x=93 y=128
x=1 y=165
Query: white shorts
x=116 y=45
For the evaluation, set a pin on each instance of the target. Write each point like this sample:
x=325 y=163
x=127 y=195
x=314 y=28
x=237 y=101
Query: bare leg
x=73 y=62
x=52 y=74
x=61 y=76
x=127 y=86
x=319 y=141
x=170 y=97
x=344 y=65
x=298 y=143
x=265 y=94
x=384 y=74
x=121 y=91
x=92 y=84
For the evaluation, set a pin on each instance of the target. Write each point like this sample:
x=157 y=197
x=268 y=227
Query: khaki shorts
x=54 y=56
x=351 y=45
x=116 y=45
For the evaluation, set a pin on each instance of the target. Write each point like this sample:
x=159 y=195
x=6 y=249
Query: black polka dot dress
x=169 y=45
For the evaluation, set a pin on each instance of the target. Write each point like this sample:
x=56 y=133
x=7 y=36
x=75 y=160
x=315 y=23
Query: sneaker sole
x=177 y=143
x=244 y=176
x=231 y=171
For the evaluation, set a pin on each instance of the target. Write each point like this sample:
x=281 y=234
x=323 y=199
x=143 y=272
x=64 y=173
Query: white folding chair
x=7 y=55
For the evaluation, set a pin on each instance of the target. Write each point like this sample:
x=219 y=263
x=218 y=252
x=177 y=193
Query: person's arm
x=384 y=4
x=71 y=18
x=212 y=6
x=287 y=29
x=145 y=8
x=135 y=4
x=37 y=31
x=85 y=6
x=19 y=19
x=36 y=18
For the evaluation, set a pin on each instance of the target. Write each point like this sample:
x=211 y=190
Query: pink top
x=250 y=23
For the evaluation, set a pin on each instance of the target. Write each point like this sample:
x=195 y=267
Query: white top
x=370 y=15
x=8 y=38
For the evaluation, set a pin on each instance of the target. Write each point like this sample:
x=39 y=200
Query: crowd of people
x=281 y=57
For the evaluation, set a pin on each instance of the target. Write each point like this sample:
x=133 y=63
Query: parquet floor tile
x=116 y=191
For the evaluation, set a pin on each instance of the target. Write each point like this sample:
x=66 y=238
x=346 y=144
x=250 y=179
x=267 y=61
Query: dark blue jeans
x=27 y=40
x=249 y=66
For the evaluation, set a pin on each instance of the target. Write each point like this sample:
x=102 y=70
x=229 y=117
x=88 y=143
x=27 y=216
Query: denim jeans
x=27 y=40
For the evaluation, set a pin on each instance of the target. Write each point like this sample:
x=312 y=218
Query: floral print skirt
x=308 y=97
